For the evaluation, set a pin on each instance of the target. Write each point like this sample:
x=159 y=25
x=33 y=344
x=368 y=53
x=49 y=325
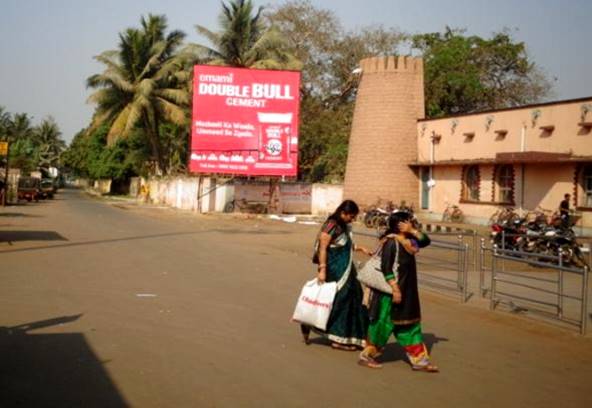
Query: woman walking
x=348 y=321
x=400 y=313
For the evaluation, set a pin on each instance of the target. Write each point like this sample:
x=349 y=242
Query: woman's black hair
x=394 y=220
x=348 y=207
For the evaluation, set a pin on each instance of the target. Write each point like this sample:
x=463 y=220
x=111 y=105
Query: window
x=471 y=183
x=587 y=186
x=505 y=184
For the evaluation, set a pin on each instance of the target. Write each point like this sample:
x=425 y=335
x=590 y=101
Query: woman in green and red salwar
x=400 y=313
x=348 y=322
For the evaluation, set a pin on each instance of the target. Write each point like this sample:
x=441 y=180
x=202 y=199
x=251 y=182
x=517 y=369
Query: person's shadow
x=394 y=352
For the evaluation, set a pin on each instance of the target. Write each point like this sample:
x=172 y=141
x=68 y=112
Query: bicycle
x=453 y=213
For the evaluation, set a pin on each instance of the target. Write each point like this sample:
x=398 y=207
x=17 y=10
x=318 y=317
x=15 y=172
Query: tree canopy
x=32 y=148
x=469 y=73
x=245 y=41
x=139 y=86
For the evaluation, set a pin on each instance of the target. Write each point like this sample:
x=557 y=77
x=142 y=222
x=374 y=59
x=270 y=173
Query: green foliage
x=32 y=148
x=329 y=55
x=470 y=73
x=245 y=41
x=143 y=84
x=324 y=141
x=89 y=155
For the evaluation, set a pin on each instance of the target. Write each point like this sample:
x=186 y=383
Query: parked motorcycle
x=538 y=237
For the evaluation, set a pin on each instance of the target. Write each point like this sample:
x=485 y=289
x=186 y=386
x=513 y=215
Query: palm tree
x=4 y=123
x=19 y=134
x=20 y=128
x=47 y=138
x=244 y=41
x=143 y=84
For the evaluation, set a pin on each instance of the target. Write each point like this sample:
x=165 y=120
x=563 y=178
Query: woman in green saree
x=348 y=321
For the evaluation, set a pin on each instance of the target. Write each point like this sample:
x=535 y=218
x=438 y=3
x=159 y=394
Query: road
x=109 y=304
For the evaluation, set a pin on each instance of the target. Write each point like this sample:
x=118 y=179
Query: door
x=425 y=188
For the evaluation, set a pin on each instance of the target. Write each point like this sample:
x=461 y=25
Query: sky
x=47 y=46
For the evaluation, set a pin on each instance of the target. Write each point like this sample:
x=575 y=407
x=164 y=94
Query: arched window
x=471 y=183
x=587 y=186
x=505 y=184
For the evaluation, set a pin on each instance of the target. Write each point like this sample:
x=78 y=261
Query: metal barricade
x=444 y=265
x=538 y=288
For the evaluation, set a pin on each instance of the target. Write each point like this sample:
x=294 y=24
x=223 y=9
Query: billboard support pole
x=273 y=205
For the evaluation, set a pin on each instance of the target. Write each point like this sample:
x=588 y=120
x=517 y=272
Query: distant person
x=398 y=314
x=348 y=321
x=2 y=193
x=564 y=211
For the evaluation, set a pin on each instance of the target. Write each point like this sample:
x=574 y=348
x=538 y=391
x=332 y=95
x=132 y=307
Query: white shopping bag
x=315 y=303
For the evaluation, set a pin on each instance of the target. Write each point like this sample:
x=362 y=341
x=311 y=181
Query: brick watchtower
x=383 y=138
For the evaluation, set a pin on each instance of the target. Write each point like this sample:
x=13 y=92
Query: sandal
x=343 y=347
x=367 y=361
x=428 y=368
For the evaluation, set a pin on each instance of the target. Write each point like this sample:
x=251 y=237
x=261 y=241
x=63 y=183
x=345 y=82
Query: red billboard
x=245 y=121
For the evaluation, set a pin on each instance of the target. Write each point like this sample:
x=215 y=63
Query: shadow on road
x=96 y=242
x=394 y=352
x=53 y=370
x=16 y=236
x=18 y=214
x=251 y=232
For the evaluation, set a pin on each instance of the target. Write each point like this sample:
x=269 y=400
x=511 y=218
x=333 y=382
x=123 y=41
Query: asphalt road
x=106 y=304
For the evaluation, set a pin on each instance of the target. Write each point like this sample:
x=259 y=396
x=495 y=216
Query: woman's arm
x=408 y=230
x=422 y=238
x=324 y=241
x=364 y=250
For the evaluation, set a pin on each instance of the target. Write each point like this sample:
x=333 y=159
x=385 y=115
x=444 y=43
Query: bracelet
x=322 y=264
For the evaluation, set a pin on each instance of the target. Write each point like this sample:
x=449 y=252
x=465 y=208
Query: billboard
x=245 y=121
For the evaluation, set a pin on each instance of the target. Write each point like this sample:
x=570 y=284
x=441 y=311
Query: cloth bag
x=315 y=303
x=371 y=273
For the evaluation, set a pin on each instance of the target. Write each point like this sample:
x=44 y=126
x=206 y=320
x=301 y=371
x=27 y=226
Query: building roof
x=536 y=105
x=511 y=158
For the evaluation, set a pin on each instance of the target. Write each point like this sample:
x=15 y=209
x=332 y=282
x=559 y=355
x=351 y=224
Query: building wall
x=544 y=186
x=444 y=141
x=326 y=198
x=524 y=133
x=383 y=138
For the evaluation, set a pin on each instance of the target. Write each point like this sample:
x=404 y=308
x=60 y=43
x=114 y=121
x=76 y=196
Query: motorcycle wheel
x=368 y=220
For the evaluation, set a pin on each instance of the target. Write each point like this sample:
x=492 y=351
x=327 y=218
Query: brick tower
x=384 y=132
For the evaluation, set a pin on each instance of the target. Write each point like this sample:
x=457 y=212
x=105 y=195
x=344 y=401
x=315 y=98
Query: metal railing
x=448 y=272
x=538 y=288
x=447 y=263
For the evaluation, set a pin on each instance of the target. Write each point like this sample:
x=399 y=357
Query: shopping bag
x=315 y=303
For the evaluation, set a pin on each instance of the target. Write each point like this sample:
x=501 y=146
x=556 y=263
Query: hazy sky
x=46 y=46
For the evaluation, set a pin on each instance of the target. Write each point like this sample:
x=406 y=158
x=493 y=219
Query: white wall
x=326 y=198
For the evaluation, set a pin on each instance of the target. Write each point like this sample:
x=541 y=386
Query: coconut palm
x=143 y=84
x=244 y=41
x=47 y=138
x=4 y=123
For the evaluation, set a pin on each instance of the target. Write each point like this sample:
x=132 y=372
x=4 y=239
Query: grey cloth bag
x=371 y=273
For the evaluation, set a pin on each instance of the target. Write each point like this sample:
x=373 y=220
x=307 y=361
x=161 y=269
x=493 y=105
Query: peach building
x=524 y=157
